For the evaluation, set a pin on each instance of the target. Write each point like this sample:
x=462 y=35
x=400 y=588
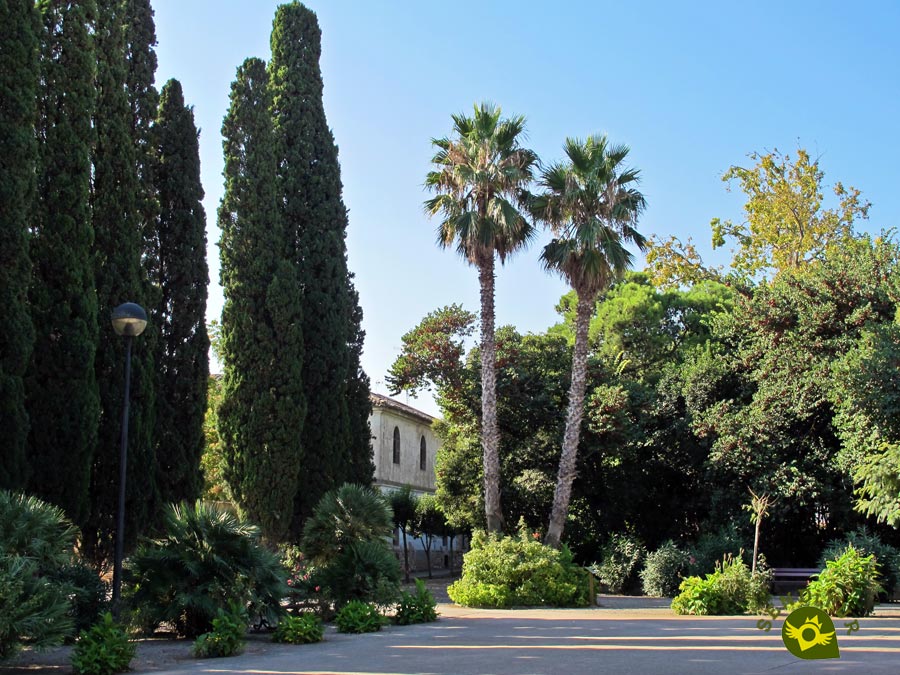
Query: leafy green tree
x=183 y=360
x=772 y=421
x=119 y=277
x=261 y=417
x=212 y=463
x=640 y=328
x=19 y=77
x=787 y=225
x=403 y=506
x=591 y=204
x=61 y=385
x=316 y=220
x=430 y=522
x=479 y=177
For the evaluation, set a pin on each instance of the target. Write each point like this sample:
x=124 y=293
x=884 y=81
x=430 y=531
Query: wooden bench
x=792 y=578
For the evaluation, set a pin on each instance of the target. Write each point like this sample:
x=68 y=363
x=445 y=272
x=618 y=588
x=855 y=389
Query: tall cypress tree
x=119 y=278
x=310 y=191
x=19 y=29
x=62 y=391
x=360 y=468
x=143 y=99
x=183 y=363
x=262 y=412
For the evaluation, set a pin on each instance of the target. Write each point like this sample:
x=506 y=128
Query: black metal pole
x=123 y=462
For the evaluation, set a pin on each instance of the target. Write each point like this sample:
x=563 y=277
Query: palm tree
x=480 y=181
x=591 y=205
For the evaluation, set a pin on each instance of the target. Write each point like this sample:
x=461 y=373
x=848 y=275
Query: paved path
x=640 y=641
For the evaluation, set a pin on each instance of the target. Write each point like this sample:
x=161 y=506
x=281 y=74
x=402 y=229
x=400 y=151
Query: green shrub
x=227 y=636
x=366 y=571
x=418 y=608
x=711 y=547
x=663 y=570
x=619 y=564
x=33 y=611
x=304 y=584
x=505 y=571
x=730 y=589
x=299 y=630
x=847 y=586
x=36 y=543
x=887 y=558
x=358 y=617
x=103 y=649
x=207 y=560
x=87 y=593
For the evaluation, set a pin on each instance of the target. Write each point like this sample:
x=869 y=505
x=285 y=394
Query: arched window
x=396 y=445
x=422 y=454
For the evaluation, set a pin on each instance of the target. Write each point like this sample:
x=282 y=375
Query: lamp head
x=129 y=319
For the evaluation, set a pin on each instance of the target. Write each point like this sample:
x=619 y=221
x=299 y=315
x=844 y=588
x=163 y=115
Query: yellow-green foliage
x=847 y=586
x=731 y=589
x=506 y=571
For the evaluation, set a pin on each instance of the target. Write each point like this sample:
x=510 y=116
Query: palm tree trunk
x=569 y=456
x=490 y=435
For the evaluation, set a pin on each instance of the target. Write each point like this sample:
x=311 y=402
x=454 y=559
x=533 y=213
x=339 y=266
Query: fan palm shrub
x=347 y=514
x=347 y=538
x=36 y=542
x=207 y=561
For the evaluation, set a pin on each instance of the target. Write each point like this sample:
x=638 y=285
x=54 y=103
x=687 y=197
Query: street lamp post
x=128 y=320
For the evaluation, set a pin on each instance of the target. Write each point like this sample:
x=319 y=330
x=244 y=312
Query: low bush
x=663 y=571
x=206 y=561
x=505 y=571
x=619 y=564
x=848 y=586
x=416 y=608
x=358 y=617
x=887 y=558
x=103 y=649
x=299 y=630
x=227 y=637
x=730 y=589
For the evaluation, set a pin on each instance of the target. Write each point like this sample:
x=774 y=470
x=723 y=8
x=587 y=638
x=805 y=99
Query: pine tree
x=119 y=278
x=263 y=408
x=19 y=29
x=315 y=217
x=61 y=388
x=183 y=359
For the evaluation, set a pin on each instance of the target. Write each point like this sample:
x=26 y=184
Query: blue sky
x=691 y=87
